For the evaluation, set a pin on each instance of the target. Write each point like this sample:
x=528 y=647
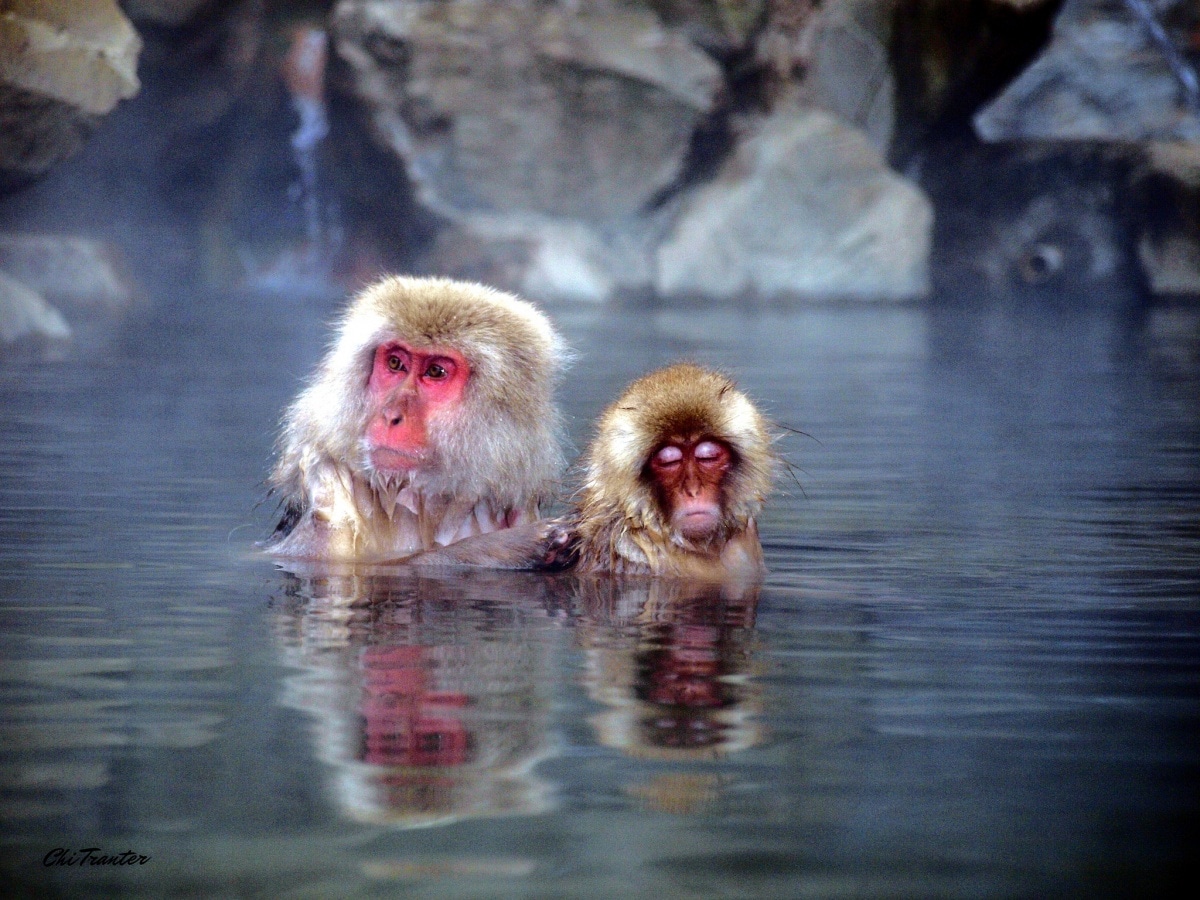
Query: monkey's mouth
x=387 y=459
x=698 y=523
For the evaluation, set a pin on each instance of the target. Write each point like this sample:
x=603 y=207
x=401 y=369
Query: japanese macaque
x=430 y=420
x=676 y=474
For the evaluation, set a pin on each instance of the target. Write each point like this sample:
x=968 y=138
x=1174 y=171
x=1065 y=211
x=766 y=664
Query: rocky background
x=1027 y=151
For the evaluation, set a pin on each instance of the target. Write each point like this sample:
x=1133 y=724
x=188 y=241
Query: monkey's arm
x=550 y=545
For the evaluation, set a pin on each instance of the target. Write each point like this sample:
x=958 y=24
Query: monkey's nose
x=392 y=414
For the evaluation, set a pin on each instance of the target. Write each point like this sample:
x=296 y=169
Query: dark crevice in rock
x=747 y=90
x=950 y=58
x=379 y=206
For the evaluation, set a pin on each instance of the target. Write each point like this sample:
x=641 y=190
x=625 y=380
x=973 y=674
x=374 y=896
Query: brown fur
x=623 y=528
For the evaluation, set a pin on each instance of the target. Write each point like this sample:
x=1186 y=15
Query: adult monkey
x=430 y=419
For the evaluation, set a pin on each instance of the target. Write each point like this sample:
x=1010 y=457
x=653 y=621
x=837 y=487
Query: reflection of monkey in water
x=681 y=672
x=425 y=705
x=406 y=720
x=670 y=660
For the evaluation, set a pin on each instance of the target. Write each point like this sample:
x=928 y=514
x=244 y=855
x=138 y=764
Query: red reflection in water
x=405 y=722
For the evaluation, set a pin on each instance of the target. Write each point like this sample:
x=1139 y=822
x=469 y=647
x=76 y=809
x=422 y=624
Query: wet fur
x=497 y=453
x=622 y=526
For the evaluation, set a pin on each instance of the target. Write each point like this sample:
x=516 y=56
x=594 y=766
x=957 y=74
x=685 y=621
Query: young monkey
x=678 y=470
x=430 y=420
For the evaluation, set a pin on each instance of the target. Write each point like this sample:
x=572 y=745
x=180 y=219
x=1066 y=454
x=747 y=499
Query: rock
x=63 y=65
x=545 y=259
x=1178 y=160
x=558 y=142
x=781 y=46
x=516 y=106
x=806 y=207
x=1172 y=264
x=81 y=276
x=721 y=27
x=84 y=55
x=1169 y=246
x=1103 y=77
x=27 y=320
x=167 y=13
x=541 y=134
x=848 y=68
x=1037 y=226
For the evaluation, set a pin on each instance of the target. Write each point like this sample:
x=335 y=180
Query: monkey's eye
x=668 y=455
x=395 y=363
x=436 y=372
x=708 y=450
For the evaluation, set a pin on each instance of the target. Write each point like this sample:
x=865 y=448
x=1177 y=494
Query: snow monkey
x=679 y=468
x=430 y=419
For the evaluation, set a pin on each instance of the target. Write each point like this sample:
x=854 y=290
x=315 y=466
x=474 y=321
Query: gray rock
x=806 y=207
x=83 y=277
x=169 y=13
x=551 y=139
x=26 y=319
x=1172 y=264
x=848 y=71
x=63 y=65
x=1170 y=251
x=546 y=259
x=1050 y=228
x=719 y=26
x=1102 y=77
x=515 y=106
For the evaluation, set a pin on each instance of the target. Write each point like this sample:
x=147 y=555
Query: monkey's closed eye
x=668 y=455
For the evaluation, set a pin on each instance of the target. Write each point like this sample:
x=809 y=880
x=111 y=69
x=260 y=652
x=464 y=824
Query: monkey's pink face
x=688 y=476
x=408 y=390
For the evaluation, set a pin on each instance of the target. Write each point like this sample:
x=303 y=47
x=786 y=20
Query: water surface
x=971 y=672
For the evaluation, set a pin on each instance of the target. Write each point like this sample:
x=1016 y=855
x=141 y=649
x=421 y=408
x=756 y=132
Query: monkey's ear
x=551 y=545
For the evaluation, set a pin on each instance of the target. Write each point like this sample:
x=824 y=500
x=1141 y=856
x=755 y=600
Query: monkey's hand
x=550 y=545
x=560 y=547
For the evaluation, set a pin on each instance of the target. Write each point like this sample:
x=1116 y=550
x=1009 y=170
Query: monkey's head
x=681 y=454
x=440 y=385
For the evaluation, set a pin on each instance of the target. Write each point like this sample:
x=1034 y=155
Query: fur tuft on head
x=618 y=507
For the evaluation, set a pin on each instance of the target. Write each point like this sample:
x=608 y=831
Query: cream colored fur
x=496 y=456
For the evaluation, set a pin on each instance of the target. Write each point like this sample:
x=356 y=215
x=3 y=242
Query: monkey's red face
x=688 y=478
x=407 y=389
